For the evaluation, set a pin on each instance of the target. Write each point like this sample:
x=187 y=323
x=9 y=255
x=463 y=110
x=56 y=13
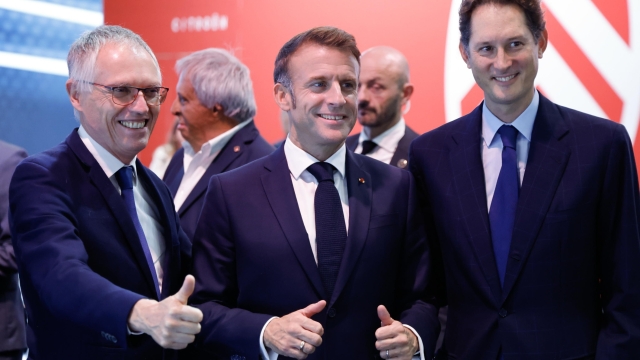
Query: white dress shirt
x=196 y=163
x=304 y=186
x=387 y=142
x=147 y=213
x=492 y=144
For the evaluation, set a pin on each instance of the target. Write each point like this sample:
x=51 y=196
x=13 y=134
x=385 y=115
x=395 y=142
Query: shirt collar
x=523 y=123
x=389 y=139
x=299 y=160
x=109 y=163
x=217 y=143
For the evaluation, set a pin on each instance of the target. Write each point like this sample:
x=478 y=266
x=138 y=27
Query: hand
x=170 y=322
x=284 y=335
x=394 y=337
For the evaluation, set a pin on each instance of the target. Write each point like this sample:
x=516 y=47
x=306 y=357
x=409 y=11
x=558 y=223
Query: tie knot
x=508 y=134
x=368 y=146
x=322 y=171
x=125 y=177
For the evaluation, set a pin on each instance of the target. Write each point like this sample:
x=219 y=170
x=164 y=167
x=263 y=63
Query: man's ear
x=542 y=43
x=74 y=94
x=282 y=97
x=464 y=54
x=407 y=91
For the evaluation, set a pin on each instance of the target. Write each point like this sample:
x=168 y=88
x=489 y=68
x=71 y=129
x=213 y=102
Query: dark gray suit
x=12 y=330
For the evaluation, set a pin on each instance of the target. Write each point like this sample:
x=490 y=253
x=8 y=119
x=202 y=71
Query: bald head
x=387 y=59
x=383 y=90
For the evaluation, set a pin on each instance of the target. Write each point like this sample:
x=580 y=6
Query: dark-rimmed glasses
x=125 y=95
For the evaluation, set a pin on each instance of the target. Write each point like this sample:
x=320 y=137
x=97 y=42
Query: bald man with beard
x=384 y=90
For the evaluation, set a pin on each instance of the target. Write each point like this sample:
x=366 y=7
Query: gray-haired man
x=215 y=108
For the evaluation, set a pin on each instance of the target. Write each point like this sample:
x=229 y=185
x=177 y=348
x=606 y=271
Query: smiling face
x=503 y=57
x=122 y=130
x=324 y=83
x=194 y=119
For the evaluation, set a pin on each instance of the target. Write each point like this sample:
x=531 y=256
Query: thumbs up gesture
x=393 y=340
x=171 y=322
x=295 y=335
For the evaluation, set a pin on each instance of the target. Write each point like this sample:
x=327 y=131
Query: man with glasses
x=99 y=247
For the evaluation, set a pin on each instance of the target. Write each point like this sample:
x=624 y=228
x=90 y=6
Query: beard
x=386 y=115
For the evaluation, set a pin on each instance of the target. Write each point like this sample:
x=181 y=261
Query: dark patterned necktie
x=368 y=146
x=125 y=180
x=502 y=214
x=331 y=231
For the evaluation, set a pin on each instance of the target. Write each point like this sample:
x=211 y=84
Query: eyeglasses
x=125 y=95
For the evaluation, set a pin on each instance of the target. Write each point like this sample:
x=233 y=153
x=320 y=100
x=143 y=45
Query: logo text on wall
x=213 y=22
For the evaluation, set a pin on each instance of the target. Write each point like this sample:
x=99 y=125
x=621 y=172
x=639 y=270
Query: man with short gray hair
x=102 y=258
x=215 y=108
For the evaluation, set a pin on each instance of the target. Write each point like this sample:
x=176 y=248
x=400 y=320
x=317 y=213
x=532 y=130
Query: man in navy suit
x=533 y=207
x=97 y=241
x=295 y=262
x=13 y=340
x=384 y=90
x=215 y=108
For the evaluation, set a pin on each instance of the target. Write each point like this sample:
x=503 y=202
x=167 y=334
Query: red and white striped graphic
x=592 y=63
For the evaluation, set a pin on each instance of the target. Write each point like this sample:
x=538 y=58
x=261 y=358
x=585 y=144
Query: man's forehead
x=483 y=28
x=313 y=56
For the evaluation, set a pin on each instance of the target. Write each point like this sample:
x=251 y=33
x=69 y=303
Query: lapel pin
x=236 y=148
x=361 y=180
x=402 y=163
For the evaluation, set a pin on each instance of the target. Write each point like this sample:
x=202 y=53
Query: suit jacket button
x=331 y=313
x=503 y=313
x=402 y=163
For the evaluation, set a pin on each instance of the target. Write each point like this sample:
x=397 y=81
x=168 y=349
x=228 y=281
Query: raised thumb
x=384 y=316
x=186 y=290
x=313 y=309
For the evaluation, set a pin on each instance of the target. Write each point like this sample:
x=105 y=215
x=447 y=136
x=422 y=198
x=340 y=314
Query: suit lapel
x=173 y=180
x=468 y=178
x=360 y=195
x=402 y=151
x=279 y=191
x=114 y=202
x=234 y=148
x=546 y=163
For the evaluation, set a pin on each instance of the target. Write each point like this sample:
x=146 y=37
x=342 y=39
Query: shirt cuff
x=129 y=332
x=268 y=354
x=420 y=354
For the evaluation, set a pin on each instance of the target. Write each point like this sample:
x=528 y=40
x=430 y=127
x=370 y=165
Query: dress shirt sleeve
x=420 y=354
x=267 y=354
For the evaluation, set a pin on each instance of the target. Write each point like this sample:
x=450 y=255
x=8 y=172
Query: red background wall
x=257 y=29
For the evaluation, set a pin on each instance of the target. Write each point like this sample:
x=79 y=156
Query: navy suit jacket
x=82 y=267
x=572 y=283
x=244 y=147
x=12 y=330
x=253 y=260
x=402 y=151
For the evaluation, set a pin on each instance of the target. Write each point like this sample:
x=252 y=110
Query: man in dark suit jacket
x=13 y=341
x=215 y=108
x=97 y=241
x=276 y=278
x=384 y=91
x=564 y=283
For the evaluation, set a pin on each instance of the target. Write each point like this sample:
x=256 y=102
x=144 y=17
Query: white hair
x=220 y=78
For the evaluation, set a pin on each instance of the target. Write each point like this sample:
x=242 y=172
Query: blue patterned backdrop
x=35 y=112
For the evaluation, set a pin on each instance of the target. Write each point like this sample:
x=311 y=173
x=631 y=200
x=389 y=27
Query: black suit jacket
x=244 y=147
x=253 y=260
x=401 y=156
x=572 y=283
x=82 y=267
x=12 y=330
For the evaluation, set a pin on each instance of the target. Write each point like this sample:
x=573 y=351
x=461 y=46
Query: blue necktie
x=502 y=214
x=125 y=180
x=331 y=231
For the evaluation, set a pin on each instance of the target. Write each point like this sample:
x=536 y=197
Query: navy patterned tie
x=368 y=146
x=125 y=180
x=331 y=231
x=502 y=214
